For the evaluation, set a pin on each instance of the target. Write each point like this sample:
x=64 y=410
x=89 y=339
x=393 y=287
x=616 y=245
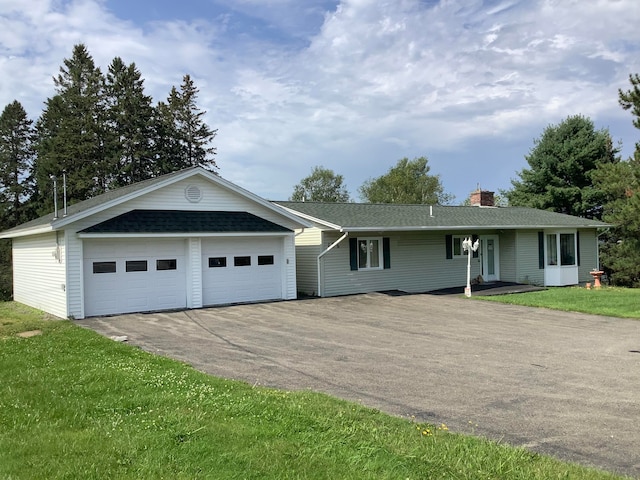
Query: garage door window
x=265 y=259
x=241 y=261
x=217 y=262
x=136 y=266
x=104 y=267
x=171 y=264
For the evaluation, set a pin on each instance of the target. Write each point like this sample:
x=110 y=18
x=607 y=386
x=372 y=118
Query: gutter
x=329 y=248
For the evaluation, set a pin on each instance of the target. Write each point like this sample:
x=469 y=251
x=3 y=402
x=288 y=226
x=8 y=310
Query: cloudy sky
x=353 y=85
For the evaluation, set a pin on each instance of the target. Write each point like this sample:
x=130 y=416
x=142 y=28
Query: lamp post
x=469 y=246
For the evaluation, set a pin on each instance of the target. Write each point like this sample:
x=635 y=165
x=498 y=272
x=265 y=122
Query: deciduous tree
x=406 y=182
x=322 y=185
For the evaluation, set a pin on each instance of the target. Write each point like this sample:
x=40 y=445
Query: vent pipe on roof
x=64 y=190
x=55 y=197
x=431 y=211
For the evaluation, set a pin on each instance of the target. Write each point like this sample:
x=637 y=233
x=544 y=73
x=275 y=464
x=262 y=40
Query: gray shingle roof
x=362 y=216
x=184 y=221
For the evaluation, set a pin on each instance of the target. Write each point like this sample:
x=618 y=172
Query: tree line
x=103 y=131
x=100 y=130
x=574 y=169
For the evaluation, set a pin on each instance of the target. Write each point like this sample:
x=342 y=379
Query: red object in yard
x=596 y=274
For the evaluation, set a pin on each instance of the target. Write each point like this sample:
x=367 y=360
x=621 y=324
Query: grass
x=74 y=404
x=610 y=301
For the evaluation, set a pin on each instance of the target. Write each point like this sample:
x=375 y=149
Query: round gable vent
x=193 y=193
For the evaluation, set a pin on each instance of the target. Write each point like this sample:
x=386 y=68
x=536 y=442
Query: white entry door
x=490 y=258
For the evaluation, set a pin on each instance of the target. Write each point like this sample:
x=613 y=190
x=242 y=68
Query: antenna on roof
x=64 y=190
x=55 y=196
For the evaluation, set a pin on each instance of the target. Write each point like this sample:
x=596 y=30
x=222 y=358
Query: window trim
x=380 y=265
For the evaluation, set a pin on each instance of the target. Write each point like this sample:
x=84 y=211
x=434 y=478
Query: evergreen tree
x=129 y=121
x=71 y=133
x=407 y=182
x=184 y=139
x=323 y=185
x=16 y=158
x=620 y=254
x=561 y=166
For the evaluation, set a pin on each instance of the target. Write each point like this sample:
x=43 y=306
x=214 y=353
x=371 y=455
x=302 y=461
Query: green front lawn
x=610 y=301
x=76 y=405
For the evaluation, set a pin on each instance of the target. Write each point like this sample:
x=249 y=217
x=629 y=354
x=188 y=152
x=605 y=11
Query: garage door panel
x=122 y=291
x=245 y=283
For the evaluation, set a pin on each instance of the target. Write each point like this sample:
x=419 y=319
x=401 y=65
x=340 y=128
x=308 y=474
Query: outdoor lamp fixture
x=468 y=246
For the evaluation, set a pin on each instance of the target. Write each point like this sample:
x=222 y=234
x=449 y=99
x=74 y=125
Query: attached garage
x=185 y=240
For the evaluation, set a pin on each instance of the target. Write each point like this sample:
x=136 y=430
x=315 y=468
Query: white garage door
x=241 y=270
x=133 y=275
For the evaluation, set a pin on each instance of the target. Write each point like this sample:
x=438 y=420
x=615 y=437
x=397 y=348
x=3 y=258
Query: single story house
x=358 y=248
x=183 y=240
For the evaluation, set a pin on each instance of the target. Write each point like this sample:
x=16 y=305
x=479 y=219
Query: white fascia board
x=28 y=231
x=312 y=219
x=461 y=228
x=184 y=235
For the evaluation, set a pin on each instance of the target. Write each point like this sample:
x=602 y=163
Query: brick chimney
x=481 y=198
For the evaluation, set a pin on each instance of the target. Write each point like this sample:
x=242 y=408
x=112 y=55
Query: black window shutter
x=386 y=252
x=353 y=253
x=578 y=246
x=541 y=250
x=473 y=240
x=448 y=240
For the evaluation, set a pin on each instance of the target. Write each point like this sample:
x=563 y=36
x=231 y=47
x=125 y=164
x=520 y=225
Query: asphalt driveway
x=564 y=384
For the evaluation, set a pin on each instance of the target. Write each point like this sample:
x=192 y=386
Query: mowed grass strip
x=74 y=404
x=609 y=301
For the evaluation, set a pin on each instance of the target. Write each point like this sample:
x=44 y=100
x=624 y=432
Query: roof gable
x=84 y=209
x=180 y=221
x=375 y=217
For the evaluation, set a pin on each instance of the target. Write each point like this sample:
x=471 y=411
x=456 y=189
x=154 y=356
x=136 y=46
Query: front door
x=490 y=258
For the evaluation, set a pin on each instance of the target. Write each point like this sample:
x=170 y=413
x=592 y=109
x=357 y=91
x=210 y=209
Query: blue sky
x=353 y=85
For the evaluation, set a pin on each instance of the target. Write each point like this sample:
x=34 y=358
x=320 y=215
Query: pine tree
x=185 y=139
x=16 y=158
x=129 y=122
x=561 y=165
x=71 y=132
x=620 y=255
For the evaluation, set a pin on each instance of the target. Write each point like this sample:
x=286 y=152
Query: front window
x=458 y=251
x=561 y=249
x=369 y=253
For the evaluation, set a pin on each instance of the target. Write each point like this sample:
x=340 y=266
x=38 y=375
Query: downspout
x=329 y=248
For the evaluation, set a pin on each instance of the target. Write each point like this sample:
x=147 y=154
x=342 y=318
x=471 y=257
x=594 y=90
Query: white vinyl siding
x=309 y=245
x=39 y=272
x=588 y=255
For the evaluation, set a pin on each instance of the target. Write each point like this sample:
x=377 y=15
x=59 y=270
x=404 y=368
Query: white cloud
x=353 y=86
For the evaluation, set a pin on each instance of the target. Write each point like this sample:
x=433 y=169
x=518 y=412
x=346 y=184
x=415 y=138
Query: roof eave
x=464 y=227
x=311 y=218
x=25 y=232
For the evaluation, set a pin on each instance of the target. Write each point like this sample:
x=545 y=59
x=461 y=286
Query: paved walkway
x=564 y=384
